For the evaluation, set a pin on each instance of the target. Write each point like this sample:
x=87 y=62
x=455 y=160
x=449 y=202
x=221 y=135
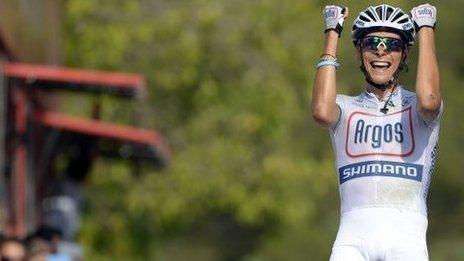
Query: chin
x=381 y=79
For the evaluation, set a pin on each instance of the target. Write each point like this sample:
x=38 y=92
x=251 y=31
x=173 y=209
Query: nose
x=381 y=48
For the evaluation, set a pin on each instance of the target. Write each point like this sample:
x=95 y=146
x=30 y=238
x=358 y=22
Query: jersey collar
x=372 y=97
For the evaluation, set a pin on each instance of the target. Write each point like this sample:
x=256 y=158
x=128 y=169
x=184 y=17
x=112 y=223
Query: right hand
x=334 y=16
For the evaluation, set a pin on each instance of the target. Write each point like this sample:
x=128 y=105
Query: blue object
x=326 y=62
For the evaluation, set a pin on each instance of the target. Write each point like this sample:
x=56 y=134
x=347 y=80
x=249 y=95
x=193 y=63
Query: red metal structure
x=35 y=135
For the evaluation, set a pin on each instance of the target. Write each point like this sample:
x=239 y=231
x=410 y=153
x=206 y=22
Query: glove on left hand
x=424 y=15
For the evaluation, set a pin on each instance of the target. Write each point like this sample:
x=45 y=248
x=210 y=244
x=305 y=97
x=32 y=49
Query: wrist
x=331 y=33
x=425 y=32
x=425 y=28
x=328 y=55
x=331 y=40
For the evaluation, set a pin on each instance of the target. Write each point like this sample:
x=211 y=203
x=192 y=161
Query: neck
x=381 y=94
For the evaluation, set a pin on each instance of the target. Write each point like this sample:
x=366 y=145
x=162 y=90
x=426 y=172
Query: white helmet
x=383 y=18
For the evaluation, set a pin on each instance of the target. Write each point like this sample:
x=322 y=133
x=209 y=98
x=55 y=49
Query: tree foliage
x=252 y=177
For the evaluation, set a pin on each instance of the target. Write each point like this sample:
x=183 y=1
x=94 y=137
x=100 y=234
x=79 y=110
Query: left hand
x=424 y=15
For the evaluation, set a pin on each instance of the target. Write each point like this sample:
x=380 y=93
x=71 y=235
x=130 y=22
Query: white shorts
x=381 y=234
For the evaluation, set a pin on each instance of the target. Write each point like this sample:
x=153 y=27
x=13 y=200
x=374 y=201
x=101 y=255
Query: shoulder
x=407 y=92
x=360 y=101
x=407 y=97
x=342 y=98
x=410 y=98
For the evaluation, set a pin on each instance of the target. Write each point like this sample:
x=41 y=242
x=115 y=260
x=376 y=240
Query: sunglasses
x=373 y=43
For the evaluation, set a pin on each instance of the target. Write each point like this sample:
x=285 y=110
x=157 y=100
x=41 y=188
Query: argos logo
x=378 y=134
x=388 y=135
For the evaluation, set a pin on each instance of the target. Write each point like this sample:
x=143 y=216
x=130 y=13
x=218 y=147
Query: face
x=381 y=57
x=12 y=251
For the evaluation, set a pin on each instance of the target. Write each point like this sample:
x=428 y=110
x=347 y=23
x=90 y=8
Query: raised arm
x=428 y=77
x=324 y=109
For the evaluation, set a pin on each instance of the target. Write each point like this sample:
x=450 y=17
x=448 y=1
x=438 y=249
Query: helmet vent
x=363 y=18
x=404 y=20
x=397 y=16
x=379 y=11
x=371 y=16
x=389 y=11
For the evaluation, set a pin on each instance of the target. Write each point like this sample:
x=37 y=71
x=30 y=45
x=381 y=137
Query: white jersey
x=384 y=159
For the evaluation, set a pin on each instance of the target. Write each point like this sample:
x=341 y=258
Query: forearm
x=324 y=108
x=428 y=77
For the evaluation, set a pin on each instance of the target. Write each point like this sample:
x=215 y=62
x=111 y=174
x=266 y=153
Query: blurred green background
x=252 y=177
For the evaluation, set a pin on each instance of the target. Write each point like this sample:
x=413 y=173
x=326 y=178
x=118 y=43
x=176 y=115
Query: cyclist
x=385 y=139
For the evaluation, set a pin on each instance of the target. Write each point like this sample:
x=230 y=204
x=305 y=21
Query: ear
x=405 y=54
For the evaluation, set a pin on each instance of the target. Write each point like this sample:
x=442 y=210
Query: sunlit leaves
x=228 y=84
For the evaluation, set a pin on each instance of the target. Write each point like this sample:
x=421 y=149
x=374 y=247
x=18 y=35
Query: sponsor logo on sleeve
x=381 y=168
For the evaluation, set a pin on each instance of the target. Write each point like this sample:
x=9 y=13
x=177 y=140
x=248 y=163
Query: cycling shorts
x=381 y=234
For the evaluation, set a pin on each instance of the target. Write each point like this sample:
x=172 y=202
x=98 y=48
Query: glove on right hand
x=334 y=17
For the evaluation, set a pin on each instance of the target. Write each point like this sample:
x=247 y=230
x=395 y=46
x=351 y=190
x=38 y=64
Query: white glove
x=424 y=15
x=334 y=16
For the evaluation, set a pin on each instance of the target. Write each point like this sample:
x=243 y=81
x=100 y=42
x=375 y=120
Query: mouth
x=380 y=66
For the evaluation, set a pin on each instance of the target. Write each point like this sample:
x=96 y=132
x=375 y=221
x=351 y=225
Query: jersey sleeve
x=341 y=103
x=431 y=123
